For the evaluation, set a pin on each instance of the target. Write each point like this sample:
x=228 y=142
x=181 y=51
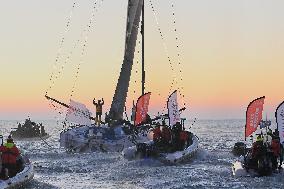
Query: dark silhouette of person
x=99 y=110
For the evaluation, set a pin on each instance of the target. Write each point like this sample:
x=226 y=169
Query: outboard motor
x=264 y=166
x=141 y=150
x=145 y=150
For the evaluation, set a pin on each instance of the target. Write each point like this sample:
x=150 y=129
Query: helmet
x=259 y=138
x=9 y=139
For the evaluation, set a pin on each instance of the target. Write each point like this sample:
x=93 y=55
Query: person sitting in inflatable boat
x=9 y=158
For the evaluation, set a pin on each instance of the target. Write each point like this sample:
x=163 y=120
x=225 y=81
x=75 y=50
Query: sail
x=142 y=109
x=174 y=115
x=254 y=116
x=279 y=114
x=132 y=27
x=78 y=113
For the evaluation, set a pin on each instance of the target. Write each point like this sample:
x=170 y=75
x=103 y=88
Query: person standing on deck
x=99 y=110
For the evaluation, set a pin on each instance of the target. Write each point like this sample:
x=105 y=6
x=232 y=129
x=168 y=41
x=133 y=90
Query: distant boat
x=29 y=130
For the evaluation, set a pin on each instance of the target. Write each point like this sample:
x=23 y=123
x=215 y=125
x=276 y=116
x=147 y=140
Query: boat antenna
x=143 y=40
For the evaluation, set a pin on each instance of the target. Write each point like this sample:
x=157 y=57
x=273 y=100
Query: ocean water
x=211 y=168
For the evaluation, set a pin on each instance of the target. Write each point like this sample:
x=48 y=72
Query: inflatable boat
x=24 y=175
x=147 y=150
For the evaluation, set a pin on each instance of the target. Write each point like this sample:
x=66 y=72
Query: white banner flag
x=280 y=121
x=78 y=113
x=173 y=110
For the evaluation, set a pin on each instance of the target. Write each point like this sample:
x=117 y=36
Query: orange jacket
x=9 y=153
x=166 y=134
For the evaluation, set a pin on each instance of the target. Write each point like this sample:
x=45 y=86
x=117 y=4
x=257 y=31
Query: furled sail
x=279 y=114
x=174 y=115
x=254 y=115
x=78 y=113
x=132 y=27
x=142 y=109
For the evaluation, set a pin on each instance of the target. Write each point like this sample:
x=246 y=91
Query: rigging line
x=58 y=54
x=60 y=71
x=84 y=45
x=182 y=91
x=166 y=51
x=136 y=70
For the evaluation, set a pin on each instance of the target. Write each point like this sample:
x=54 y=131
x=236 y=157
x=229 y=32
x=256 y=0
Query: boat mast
x=143 y=39
x=132 y=31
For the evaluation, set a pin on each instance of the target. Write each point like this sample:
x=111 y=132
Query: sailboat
x=263 y=163
x=174 y=145
x=115 y=134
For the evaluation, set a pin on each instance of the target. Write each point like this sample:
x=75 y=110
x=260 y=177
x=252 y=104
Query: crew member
x=157 y=135
x=9 y=156
x=99 y=110
x=275 y=147
x=183 y=138
x=177 y=128
x=257 y=148
x=269 y=137
x=166 y=135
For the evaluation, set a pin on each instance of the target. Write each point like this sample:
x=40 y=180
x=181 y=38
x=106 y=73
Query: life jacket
x=166 y=134
x=9 y=153
x=99 y=108
x=156 y=133
x=183 y=136
x=275 y=146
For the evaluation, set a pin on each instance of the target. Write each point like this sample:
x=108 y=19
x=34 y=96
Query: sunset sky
x=232 y=51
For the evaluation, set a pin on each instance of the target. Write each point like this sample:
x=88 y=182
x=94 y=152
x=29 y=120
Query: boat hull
x=90 y=139
x=167 y=158
x=22 y=178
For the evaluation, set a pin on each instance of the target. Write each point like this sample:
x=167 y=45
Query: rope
x=59 y=51
x=84 y=45
x=45 y=142
x=182 y=92
x=55 y=75
x=166 y=51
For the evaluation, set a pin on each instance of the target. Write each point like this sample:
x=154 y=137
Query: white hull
x=168 y=158
x=20 y=179
x=89 y=139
